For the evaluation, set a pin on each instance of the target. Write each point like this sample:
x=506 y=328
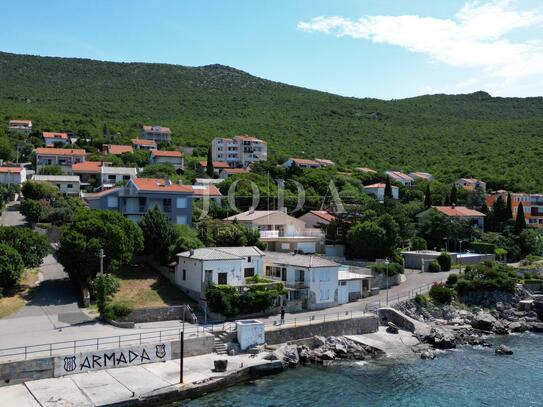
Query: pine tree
x=508 y=208
x=453 y=195
x=388 y=188
x=427 y=197
x=447 y=200
x=520 y=222
x=209 y=167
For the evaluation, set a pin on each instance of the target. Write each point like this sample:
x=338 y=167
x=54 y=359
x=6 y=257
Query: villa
x=302 y=163
x=66 y=184
x=379 y=191
x=64 y=157
x=400 y=178
x=471 y=184
x=167 y=157
x=54 y=139
x=158 y=134
x=20 y=126
x=116 y=149
x=142 y=144
x=474 y=217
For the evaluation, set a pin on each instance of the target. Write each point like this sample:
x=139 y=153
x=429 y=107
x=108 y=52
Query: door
x=343 y=293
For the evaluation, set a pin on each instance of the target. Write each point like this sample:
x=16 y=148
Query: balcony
x=297 y=285
x=303 y=233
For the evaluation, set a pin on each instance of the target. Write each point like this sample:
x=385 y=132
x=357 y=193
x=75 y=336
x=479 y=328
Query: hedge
x=393 y=268
x=483 y=247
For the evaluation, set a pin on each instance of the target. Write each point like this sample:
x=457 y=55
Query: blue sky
x=364 y=48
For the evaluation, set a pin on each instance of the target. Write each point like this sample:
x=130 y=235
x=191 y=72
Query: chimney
x=453 y=205
x=191 y=252
x=167 y=181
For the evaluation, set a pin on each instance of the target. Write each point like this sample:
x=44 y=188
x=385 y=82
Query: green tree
x=447 y=200
x=508 y=214
x=11 y=267
x=158 y=234
x=418 y=243
x=35 y=211
x=434 y=227
x=454 y=194
x=39 y=190
x=32 y=246
x=209 y=166
x=499 y=214
x=51 y=170
x=388 y=188
x=427 y=197
x=7 y=152
x=159 y=170
x=186 y=239
x=91 y=231
x=520 y=221
x=530 y=242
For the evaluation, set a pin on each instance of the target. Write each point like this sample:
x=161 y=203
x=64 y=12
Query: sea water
x=463 y=377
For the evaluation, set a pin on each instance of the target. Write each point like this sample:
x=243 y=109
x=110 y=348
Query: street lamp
x=101 y=255
x=460 y=258
x=387 y=262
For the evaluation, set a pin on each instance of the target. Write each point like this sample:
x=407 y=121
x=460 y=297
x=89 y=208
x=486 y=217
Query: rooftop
x=142 y=142
x=253 y=215
x=222 y=253
x=157 y=129
x=17 y=121
x=458 y=211
x=174 y=154
x=160 y=185
x=305 y=161
x=327 y=216
x=399 y=175
x=59 y=151
x=379 y=185
x=87 y=166
x=232 y=171
x=118 y=149
x=50 y=134
x=216 y=164
x=14 y=170
x=53 y=178
x=299 y=260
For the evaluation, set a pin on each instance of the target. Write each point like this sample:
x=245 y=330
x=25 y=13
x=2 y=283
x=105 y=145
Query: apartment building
x=239 y=151
x=532 y=204
x=158 y=134
x=20 y=126
x=64 y=157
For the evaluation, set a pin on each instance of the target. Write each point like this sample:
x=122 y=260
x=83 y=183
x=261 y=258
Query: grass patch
x=142 y=286
x=16 y=299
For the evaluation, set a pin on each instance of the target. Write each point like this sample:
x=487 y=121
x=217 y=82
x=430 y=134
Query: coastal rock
x=392 y=328
x=517 y=327
x=439 y=338
x=319 y=341
x=537 y=326
x=327 y=355
x=483 y=321
x=503 y=350
x=428 y=354
x=499 y=329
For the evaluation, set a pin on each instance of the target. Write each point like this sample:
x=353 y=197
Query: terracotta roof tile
x=216 y=164
x=458 y=211
x=117 y=149
x=59 y=151
x=14 y=170
x=87 y=166
x=49 y=134
x=174 y=154
x=142 y=142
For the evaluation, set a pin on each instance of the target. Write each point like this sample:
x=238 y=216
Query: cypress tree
x=427 y=197
x=498 y=212
x=453 y=195
x=388 y=188
x=520 y=222
x=447 y=200
x=508 y=208
x=209 y=167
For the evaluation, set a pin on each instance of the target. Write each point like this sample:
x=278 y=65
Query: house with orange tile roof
x=158 y=134
x=217 y=166
x=471 y=184
x=378 y=190
x=226 y=172
x=12 y=175
x=317 y=219
x=302 y=163
x=64 y=157
x=52 y=139
x=532 y=205
x=116 y=149
x=167 y=157
x=239 y=151
x=472 y=216
x=20 y=126
x=140 y=195
x=142 y=144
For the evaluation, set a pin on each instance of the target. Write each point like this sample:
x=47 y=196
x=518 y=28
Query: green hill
x=497 y=139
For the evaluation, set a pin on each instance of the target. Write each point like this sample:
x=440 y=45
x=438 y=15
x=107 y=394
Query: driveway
x=12 y=216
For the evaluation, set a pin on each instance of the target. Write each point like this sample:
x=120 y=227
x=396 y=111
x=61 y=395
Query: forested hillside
x=497 y=139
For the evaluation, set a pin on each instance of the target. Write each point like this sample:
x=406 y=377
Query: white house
x=400 y=177
x=311 y=280
x=20 y=126
x=220 y=265
x=112 y=175
x=52 y=139
x=12 y=175
x=67 y=184
x=379 y=191
x=282 y=232
x=143 y=144
x=302 y=163
x=156 y=133
x=162 y=157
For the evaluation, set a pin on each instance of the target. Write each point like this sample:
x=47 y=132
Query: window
x=184 y=274
x=324 y=275
x=249 y=259
x=126 y=177
x=181 y=203
x=142 y=202
x=70 y=186
x=249 y=272
x=167 y=204
x=112 y=202
x=181 y=220
x=111 y=177
x=223 y=278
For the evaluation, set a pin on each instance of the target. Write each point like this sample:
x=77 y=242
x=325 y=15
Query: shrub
x=418 y=243
x=393 y=268
x=39 y=190
x=110 y=283
x=11 y=267
x=441 y=294
x=452 y=279
x=119 y=309
x=444 y=261
x=35 y=211
x=533 y=281
x=421 y=299
x=434 y=267
x=483 y=247
x=32 y=246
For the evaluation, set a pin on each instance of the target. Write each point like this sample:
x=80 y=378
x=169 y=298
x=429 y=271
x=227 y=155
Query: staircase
x=220 y=346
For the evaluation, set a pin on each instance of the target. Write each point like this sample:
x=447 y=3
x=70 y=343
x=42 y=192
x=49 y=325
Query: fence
x=113 y=342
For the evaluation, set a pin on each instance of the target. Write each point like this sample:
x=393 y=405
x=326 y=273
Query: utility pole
x=101 y=255
x=387 y=262
x=181 y=351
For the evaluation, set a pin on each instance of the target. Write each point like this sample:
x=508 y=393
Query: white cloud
x=476 y=37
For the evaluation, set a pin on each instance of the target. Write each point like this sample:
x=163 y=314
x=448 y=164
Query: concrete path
x=11 y=215
x=393 y=345
x=120 y=385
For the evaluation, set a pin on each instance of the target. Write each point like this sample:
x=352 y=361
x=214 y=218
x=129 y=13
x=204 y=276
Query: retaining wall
x=35 y=369
x=153 y=314
x=354 y=326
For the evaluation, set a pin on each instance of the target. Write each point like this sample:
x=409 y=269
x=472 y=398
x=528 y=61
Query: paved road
x=12 y=216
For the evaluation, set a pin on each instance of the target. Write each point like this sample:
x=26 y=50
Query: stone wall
x=35 y=369
x=355 y=326
x=154 y=314
x=387 y=314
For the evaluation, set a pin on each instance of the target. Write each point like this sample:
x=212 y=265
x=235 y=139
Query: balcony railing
x=310 y=232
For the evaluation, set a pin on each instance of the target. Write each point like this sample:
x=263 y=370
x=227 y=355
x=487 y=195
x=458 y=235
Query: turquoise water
x=464 y=377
